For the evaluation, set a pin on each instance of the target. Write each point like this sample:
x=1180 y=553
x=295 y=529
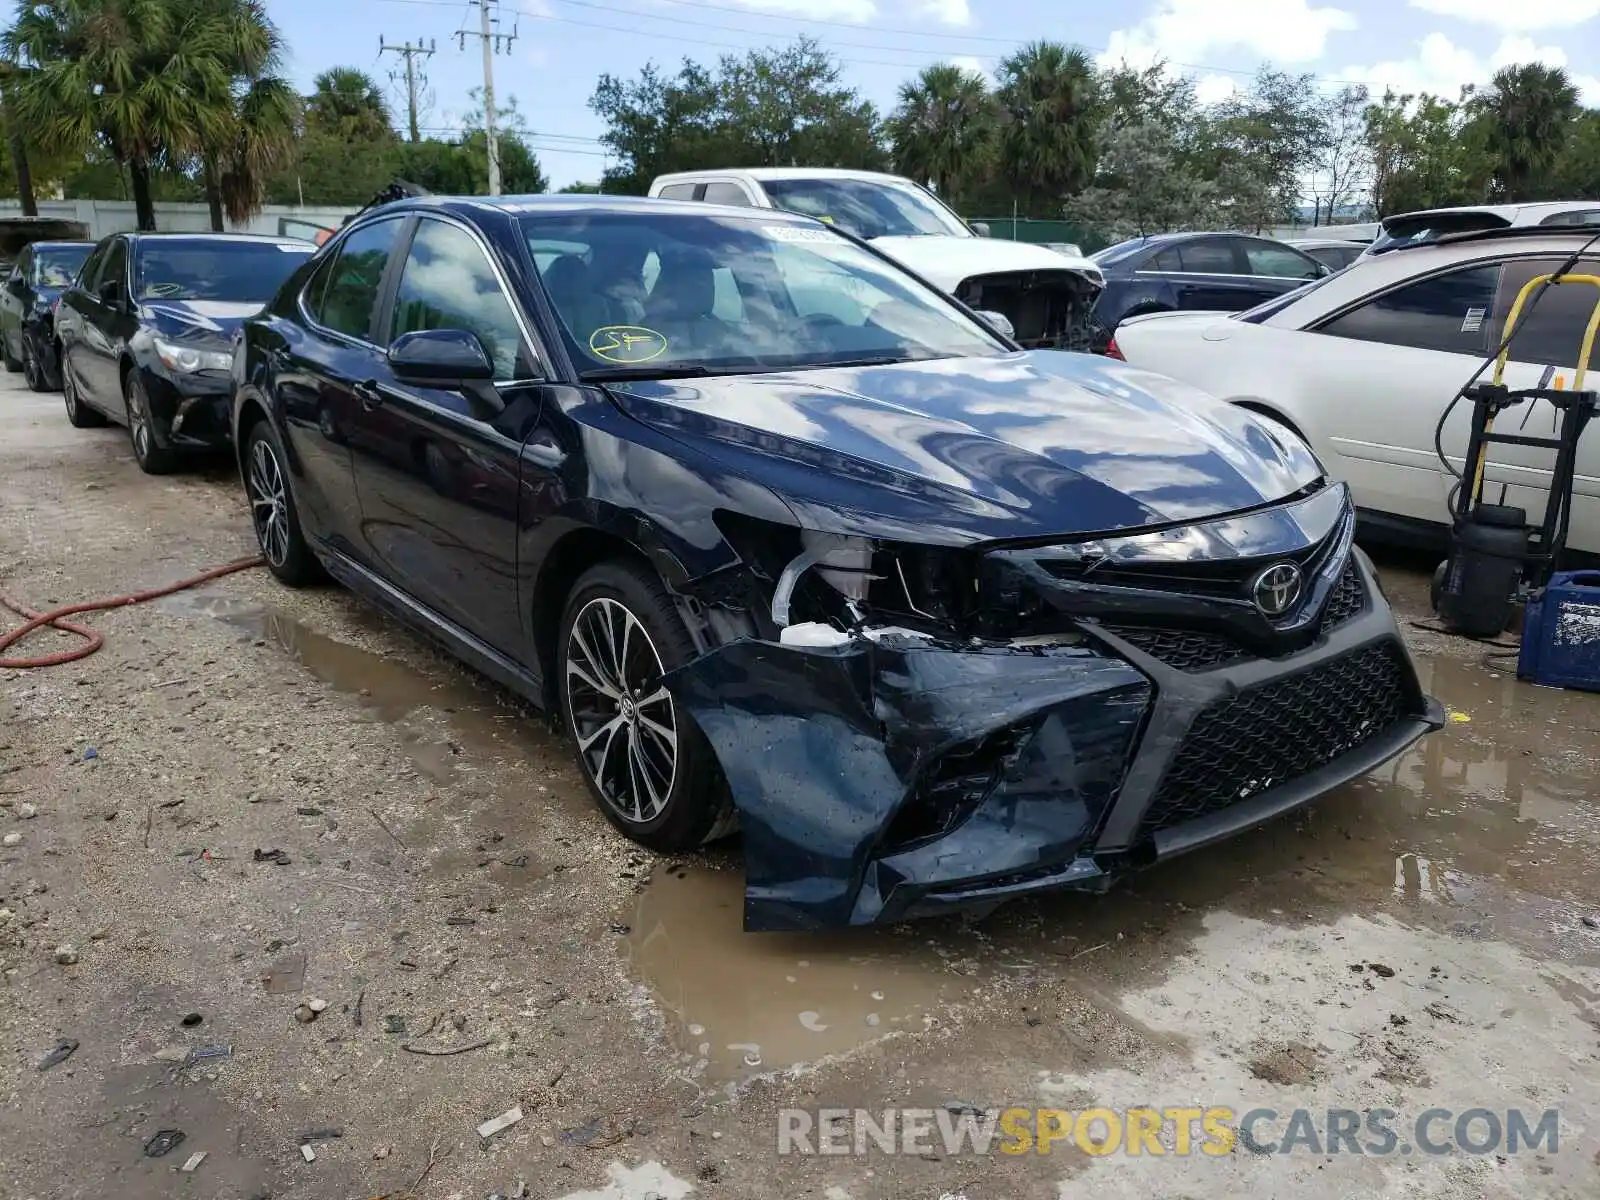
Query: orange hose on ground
x=93 y=641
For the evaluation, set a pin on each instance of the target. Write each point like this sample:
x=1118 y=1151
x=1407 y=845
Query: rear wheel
x=273 y=511
x=152 y=457
x=79 y=414
x=648 y=766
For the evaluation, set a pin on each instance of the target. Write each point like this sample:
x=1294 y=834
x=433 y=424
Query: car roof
x=584 y=205
x=1374 y=273
x=203 y=235
x=761 y=173
x=1511 y=212
x=56 y=245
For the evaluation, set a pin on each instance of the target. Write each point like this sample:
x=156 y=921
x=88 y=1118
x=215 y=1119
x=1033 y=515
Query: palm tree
x=1050 y=107
x=118 y=74
x=345 y=103
x=254 y=120
x=940 y=133
x=1529 y=109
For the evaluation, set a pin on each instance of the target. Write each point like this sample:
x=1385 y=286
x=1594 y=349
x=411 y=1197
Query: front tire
x=79 y=414
x=272 y=509
x=648 y=766
x=152 y=457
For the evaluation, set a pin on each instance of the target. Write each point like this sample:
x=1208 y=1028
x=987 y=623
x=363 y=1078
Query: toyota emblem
x=1277 y=589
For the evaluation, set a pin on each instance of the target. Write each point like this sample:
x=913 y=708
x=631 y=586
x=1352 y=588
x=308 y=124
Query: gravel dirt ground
x=449 y=930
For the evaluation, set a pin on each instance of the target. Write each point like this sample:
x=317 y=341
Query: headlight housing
x=189 y=359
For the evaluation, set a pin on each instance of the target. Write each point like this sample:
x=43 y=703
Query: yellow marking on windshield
x=626 y=344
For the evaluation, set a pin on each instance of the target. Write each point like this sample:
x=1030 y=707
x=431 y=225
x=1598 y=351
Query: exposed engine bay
x=1048 y=309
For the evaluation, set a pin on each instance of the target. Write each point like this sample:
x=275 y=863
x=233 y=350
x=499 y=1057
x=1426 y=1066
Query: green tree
x=1143 y=188
x=118 y=73
x=579 y=189
x=1341 y=159
x=1050 y=109
x=768 y=108
x=1260 y=144
x=1577 y=172
x=1529 y=111
x=1426 y=152
x=943 y=131
x=346 y=103
x=252 y=113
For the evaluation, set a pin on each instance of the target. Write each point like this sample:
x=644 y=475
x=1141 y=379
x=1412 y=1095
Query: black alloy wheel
x=152 y=457
x=647 y=764
x=273 y=512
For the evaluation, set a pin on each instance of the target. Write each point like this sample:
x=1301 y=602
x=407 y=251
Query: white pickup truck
x=1046 y=295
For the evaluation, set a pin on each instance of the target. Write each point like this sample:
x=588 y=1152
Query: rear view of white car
x=1362 y=364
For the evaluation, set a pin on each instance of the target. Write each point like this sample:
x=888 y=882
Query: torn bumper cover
x=898 y=775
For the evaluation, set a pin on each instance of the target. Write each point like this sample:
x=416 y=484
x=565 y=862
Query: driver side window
x=448 y=283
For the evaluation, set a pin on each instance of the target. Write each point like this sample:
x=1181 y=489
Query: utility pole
x=493 y=43
x=410 y=53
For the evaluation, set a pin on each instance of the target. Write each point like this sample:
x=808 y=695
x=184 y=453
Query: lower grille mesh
x=1258 y=739
x=1181 y=648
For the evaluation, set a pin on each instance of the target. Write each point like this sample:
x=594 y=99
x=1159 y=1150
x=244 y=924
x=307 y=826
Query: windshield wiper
x=621 y=374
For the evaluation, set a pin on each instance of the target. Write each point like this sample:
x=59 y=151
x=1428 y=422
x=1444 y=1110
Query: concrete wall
x=114 y=216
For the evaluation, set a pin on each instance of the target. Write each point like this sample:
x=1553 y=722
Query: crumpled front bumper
x=898 y=776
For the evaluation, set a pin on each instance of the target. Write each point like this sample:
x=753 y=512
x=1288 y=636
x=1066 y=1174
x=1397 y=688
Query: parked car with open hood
x=785 y=535
x=1044 y=294
x=147 y=332
x=40 y=273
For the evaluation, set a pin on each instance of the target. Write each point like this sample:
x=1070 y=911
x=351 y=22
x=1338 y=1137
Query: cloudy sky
x=563 y=46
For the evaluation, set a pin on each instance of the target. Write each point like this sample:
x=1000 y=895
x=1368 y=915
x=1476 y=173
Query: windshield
x=58 y=266
x=868 y=208
x=212 y=269
x=655 y=294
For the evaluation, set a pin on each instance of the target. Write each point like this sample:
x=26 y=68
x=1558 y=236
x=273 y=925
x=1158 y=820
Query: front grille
x=1182 y=648
x=1348 y=599
x=1266 y=736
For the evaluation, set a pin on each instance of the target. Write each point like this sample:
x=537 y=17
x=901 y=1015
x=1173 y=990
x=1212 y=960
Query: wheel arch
x=563 y=564
x=1273 y=412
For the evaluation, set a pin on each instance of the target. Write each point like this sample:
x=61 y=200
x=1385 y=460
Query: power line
x=924 y=52
x=410 y=53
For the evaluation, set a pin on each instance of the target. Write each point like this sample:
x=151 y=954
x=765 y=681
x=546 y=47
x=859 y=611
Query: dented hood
x=956 y=451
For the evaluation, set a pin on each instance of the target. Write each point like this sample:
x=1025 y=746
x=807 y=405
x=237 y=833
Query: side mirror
x=981 y=228
x=111 y=291
x=441 y=358
x=998 y=322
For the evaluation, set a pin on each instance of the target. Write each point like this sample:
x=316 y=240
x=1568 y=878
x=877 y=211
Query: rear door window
x=1551 y=333
x=1209 y=256
x=677 y=191
x=1451 y=312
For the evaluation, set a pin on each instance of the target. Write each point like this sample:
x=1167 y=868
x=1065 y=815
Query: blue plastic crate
x=1561 y=633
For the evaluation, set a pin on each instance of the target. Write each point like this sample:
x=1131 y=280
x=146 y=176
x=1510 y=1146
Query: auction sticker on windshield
x=626 y=344
x=799 y=233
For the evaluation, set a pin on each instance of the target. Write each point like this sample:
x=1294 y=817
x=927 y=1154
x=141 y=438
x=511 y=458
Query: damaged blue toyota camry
x=794 y=542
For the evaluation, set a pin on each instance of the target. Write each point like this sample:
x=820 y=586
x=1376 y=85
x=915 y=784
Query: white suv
x=1046 y=295
x=1363 y=363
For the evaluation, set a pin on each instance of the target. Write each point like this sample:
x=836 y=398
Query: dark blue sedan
x=1226 y=272
x=791 y=539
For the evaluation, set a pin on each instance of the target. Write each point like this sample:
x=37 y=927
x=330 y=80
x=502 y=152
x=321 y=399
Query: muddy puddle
x=740 y=1005
x=455 y=728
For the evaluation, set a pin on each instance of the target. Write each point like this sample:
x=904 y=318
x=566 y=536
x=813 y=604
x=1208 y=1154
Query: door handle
x=369 y=395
